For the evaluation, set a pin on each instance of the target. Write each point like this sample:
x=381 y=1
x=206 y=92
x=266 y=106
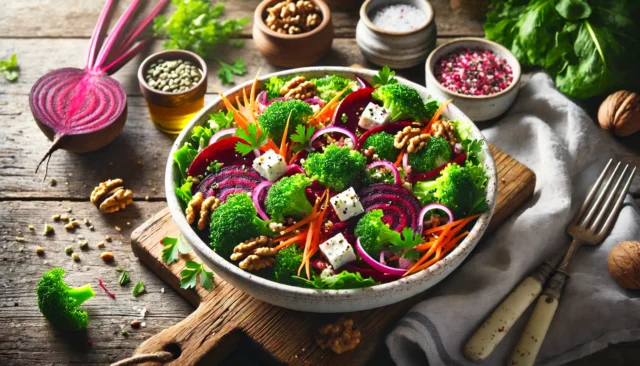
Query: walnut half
x=111 y=196
x=340 y=336
x=255 y=253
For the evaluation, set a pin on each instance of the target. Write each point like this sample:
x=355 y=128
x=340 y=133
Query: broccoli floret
x=59 y=302
x=287 y=262
x=235 y=221
x=437 y=152
x=382 y=143
x=337 y=167
x=329 y=86
x=374 y=233
x=274 y=85
x=459 y=188
x=402 y=102
x=287 y=197
x=274 y=119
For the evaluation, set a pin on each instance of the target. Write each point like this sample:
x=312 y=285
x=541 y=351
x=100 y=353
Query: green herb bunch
x=590 y=47
x=195 y=26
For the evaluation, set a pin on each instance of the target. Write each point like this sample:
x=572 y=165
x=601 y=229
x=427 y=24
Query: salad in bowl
x=331 y=189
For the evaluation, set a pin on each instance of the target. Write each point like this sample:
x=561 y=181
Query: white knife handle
x=487 y=337
x=533 y=335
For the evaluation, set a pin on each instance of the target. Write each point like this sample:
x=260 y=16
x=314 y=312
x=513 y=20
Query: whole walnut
x=620 y=113
x=624 y=264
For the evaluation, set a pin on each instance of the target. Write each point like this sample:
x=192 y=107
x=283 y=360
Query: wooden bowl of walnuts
x=292 y=33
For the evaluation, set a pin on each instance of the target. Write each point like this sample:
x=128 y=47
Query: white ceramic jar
x=398 y=50
x=477 y=108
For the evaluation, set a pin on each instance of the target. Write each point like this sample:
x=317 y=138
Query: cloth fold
x=558 y=141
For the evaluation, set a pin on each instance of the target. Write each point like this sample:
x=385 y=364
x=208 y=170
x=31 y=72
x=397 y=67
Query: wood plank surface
x=77 y=18
x=287 y=336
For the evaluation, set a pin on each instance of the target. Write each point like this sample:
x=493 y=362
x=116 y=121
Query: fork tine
x=601 y=196
x=612 y=216
x=591 y=194
x=613 y=195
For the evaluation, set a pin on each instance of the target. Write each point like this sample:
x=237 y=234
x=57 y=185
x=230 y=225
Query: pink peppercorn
x=474 y=71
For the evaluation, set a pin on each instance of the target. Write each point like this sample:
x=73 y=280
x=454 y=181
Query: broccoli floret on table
x=402 y=102
x=337 y=167
x=287 y=262
x=373 y=233
x=274 y=119
x=59 y=303
x=287 y=197
x=459 y=188
x=437 y=152
x=235 y=221
x=382 y=143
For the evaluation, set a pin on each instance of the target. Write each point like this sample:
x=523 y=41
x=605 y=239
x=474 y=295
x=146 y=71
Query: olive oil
x=173 y=119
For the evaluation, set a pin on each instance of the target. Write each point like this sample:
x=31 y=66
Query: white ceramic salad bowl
x=328 y=301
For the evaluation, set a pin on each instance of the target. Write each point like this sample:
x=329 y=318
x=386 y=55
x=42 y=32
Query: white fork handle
x=487 y=337
x=531 y=339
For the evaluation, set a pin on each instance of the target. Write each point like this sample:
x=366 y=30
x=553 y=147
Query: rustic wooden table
x=48 y=34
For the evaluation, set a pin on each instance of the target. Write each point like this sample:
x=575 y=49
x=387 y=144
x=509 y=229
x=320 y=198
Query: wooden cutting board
x=227 y=319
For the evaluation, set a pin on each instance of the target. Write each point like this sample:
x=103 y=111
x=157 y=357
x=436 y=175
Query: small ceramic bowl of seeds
x=173 y=78
x=480 y=76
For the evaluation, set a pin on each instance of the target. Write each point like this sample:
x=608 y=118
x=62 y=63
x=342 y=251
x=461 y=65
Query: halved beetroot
x=352 y=105
x=224 y=151
x=229 y=180
x=391 y=128
x=432 y=174
x=400 y=207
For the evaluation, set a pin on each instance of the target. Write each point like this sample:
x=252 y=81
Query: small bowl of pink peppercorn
x=480 y=76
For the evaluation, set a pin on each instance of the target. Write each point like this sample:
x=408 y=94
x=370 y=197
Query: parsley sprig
x=10 y=68
x=406 y=246
x=221 y=120
x=227 y=71
x=189 y=276
x=384 y=76
x=173 y=247
x=252 y=139
x=301 y=137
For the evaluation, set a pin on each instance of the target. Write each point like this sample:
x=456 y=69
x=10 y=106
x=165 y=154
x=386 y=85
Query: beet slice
x=400 y=207
x=432 y=174
x=230 y=180
x=391 y=128
x=360 y=266
x=352 y=105
x=224 y=151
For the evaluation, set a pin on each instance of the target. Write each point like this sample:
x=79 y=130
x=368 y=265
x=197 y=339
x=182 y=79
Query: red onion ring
x=433 y=206
x=332 y=129
x=315 y=101
x=388 y=165
x=255 y=197
x=362 y=82
x=273 y=100
x=218 y=135
x=375 y=264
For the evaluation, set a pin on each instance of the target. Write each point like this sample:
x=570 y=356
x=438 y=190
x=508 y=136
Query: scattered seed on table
x=48 y=229
x=108 y=257
x=19 y=238
x=86 y=222
x=100 y=245
x=68 y=250
x=135 y=324
x=117 y=228
x=107 y=237
x=31 y=227
x=84 y=244
x=75 y=257
x=55 y=217
x=64 y=217
x=40 y=251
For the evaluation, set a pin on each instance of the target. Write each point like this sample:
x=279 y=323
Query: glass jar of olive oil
x=174 y=84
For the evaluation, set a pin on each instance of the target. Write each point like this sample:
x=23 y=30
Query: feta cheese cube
x=373 y=116
x=346 y=204
x=338 y=251
x=270 y=165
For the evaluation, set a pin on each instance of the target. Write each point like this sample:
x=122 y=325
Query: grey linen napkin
x=555 y=138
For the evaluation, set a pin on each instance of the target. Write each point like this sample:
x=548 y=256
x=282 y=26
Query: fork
x=585 y=230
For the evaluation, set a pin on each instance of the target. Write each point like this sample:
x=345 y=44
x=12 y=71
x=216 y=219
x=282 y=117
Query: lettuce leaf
x=343 y=280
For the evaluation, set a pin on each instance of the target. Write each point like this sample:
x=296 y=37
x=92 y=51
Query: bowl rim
x=193 y=56
x=468 y=243
x=503 y=51
x=259 y=21
x=369 y=23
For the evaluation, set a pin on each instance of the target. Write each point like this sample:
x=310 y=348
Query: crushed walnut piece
x=293 y=17
x=340 y=336
x=207 y=207
x=445 y=129
x=418 y=142
x=401 y=140
x=256 y=253
x=298 y=88
x=193 y=208
x=111 y=196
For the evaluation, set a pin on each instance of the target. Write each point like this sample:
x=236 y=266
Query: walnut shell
x=620 y=113
x=624 y=264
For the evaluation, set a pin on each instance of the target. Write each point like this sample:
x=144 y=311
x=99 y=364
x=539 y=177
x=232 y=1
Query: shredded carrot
x=436 y=115
x=253 y=106
x=313 y=235
x=240 y=119
x=449 y=225
x=301 y=223
x=270 y=145
x=334 y=101
x=433 y=248
x=399 y=158
x=283 y=143
x=443 y=251
x=291 y=240
x=295 y=156
x=287 y=237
